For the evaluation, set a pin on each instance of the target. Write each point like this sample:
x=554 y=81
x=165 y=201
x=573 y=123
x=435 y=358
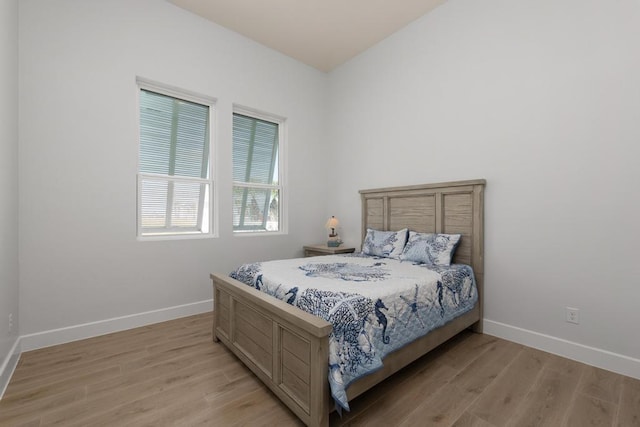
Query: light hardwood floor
x=173 y=374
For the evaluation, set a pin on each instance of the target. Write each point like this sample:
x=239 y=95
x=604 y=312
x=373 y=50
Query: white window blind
x=173 y=180
x=257 y=186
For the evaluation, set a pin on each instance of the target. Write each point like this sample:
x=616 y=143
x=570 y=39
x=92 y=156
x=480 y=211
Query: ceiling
x=320 y=33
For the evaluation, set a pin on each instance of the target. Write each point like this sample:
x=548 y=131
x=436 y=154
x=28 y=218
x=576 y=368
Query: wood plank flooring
x=173 y=374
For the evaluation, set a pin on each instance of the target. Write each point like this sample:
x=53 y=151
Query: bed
x=288 y=349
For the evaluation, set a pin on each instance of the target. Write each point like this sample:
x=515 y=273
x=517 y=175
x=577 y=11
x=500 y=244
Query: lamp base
x=334 y=243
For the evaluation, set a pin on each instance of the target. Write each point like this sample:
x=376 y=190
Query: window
x=257 y=172
x=174 y=185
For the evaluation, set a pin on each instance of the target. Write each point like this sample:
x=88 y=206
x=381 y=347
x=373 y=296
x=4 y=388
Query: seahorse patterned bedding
x=376 y=305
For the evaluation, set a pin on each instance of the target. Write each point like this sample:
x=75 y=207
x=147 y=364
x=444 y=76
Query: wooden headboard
x=449 y=207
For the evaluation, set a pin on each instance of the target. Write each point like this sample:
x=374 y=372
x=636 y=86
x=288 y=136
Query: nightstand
x=323 y=249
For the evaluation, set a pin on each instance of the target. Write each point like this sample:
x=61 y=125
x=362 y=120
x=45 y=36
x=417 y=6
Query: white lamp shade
x=332 y=222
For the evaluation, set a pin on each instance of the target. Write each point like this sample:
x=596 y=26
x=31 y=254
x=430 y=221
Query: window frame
x=282 y=183
x=210 y=181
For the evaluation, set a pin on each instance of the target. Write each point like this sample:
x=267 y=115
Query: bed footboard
x=285 y=347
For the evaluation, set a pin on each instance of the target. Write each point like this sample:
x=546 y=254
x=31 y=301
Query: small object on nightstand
x=322 y=249
x=334 y=241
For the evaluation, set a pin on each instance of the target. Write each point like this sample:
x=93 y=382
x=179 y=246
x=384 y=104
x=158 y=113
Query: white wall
x=8 y=185
x=541 y=98
x=79 y=258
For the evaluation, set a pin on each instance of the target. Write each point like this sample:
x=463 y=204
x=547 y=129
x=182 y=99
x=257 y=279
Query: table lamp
x=334 y=241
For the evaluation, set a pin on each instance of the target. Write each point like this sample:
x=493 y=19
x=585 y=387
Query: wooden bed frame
x=287 y=348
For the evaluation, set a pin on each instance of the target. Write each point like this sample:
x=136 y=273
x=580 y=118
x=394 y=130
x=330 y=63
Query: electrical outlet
x=10 y=323
x=573 y=315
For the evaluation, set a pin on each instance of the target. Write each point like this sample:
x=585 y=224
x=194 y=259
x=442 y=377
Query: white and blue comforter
x=376 y=305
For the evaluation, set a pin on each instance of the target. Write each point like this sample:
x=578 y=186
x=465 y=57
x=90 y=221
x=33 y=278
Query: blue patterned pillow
x=429 y=248
x=388 y=244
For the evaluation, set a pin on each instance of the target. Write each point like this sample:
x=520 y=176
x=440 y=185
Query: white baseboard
x=9 y=365
x=94 y=329
x=604 y=359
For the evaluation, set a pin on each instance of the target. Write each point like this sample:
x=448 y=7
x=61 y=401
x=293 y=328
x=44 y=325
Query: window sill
x=258 y=233
x=157 y=237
